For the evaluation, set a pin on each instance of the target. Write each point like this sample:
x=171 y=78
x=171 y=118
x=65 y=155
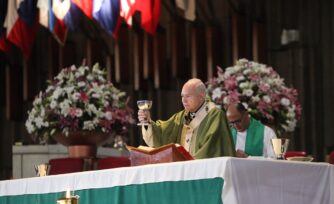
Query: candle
x=68 y=193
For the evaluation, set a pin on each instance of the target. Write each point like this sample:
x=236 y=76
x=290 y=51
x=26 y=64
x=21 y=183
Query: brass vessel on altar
x=73 y=200
x=69 y=198
x=280 y=145
x=42 y=169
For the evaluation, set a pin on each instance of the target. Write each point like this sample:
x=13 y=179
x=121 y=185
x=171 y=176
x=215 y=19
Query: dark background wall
x=155 y=67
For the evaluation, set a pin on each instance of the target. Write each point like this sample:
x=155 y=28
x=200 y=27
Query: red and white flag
x=21 y=24
x=149 y=9
x=48 y=19
x=86 y=6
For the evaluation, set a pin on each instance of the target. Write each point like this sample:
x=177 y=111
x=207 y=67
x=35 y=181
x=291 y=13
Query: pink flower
x=230 y=83
x=105 y=123
x=84 y=97
x=75 y=112
x=254 y=77
x=264 y=87
x=233 y=96
x=298 y=110
x=272 y=72
x=108 y=115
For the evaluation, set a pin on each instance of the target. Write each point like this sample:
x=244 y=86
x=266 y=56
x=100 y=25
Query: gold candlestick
x=69 y=198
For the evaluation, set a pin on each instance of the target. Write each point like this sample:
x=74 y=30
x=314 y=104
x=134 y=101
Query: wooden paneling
x=259 y=42
x=2 y=80
x=97 y=52
x=55 y=60
x=14 y=93
x=69 y=55
x=31 y=80
x=239 y=37
x=138 y=59
x=274 y=25
x=215 y=53
x=144 y=56
x=199 y=52
x=327 y=60
x=125 y=55
x=180 y=53
x=162 y=66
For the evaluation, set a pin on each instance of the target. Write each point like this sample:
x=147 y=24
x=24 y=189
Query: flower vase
x=82 y=144
x=82 y=151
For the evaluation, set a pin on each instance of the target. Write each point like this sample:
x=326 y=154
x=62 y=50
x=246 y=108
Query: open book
x=166 y=153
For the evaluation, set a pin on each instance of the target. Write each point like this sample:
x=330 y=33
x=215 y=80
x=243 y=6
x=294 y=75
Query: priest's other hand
x=144 y=116
x=241 y=154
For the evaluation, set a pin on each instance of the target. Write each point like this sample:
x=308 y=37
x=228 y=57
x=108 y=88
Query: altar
x=216 y=180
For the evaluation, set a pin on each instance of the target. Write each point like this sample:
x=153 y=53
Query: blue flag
x=27 y=11
x=72 y=18
x=106 y=12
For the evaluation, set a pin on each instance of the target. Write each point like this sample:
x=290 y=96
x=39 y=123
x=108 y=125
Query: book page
x=146 y=148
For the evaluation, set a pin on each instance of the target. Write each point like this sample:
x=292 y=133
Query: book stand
x=163 y=154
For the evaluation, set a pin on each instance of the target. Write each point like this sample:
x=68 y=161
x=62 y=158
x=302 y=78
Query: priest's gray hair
x=199 y=85
x=200 y=88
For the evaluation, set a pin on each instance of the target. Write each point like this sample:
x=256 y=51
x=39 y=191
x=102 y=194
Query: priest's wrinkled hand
x=241 y=154
x=144 y=116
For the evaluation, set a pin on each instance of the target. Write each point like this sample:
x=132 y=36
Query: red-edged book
x=168 y=153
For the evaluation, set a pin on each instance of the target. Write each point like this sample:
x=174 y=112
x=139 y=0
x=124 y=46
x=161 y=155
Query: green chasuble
x=213 y=137
x=254 y=138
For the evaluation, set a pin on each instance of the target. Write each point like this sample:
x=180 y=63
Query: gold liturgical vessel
x=69 y=198
x=42 y=169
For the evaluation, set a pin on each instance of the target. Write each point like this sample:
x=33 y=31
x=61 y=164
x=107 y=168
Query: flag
x=60 y=31
x=4 y=44
x=72 y=18
x=61 y=8
x=150 y=14
x=27 y=11
x=68 y=12
x=149 y=9
x=106 y=12
x=43 y=6
x=21 y=24
x=189 y=7
x=48 y=19
x=85 y=5
x=127 y=10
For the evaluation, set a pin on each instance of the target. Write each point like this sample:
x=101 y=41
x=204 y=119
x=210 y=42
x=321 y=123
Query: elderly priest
x=201 y=128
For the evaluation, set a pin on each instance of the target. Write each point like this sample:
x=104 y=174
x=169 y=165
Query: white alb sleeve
x=147 y=135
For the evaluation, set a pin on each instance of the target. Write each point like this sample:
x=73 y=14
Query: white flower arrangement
x=79 y=99
x=262 y=92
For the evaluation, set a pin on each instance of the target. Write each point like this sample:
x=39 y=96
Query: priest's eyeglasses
x=236 y=122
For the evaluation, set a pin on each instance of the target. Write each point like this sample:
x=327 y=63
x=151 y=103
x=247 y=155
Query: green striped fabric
x=208 y=191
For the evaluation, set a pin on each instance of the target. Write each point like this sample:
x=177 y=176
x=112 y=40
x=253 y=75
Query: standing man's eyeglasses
x=236 y=122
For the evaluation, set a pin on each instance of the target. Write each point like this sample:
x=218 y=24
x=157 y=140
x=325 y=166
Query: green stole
x=254 y=138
